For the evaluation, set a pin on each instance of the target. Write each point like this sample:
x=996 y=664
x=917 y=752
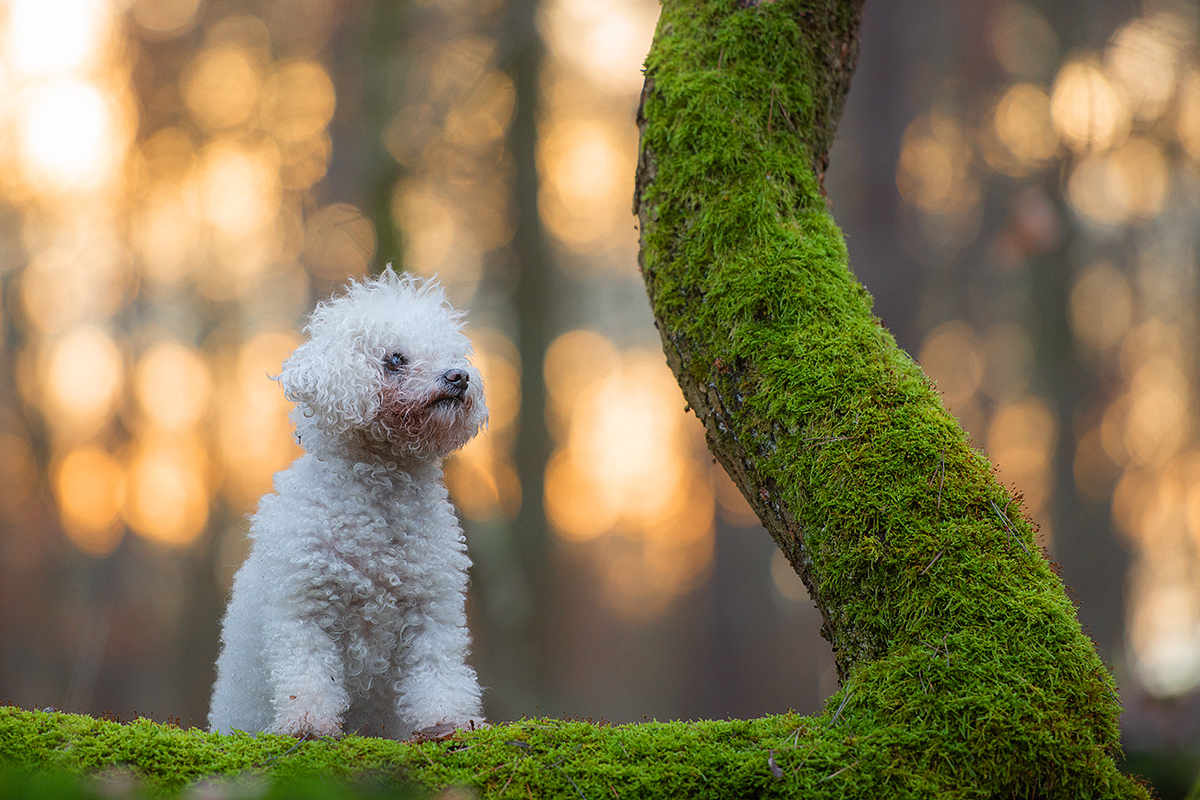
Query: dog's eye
x=394 y=362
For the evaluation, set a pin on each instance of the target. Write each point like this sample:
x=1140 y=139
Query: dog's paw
x=308 y=726
x=444 y=730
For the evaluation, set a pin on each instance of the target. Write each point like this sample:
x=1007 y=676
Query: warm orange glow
x=1021 y=441
x=240 y=187
x=587 y=169
x=58 y=289
x=1089 y=112
x=82 y=375
x=951 y=357
x=164 y=19
x=172 y=385
x=606 y=40
x=254 y=437
x=167 y=233
x=89 y=486
x=166 y=500
x=53 y=37
x=298 y=101
x=1158 y=421
x=221 y=87
x=574 y=363
x=1101 y=307
x=624 y=482
x=1128 y=184
x=1142 y=57
x=934 y=171
x=1188 y=124
x=1023 y=124
x=71 y=136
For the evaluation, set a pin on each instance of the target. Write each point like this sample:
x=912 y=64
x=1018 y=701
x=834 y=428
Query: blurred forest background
x=180 y=180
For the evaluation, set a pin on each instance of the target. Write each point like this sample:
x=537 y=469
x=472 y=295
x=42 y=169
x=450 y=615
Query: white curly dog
x=348 y=614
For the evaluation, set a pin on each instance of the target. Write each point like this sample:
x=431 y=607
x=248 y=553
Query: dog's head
x=386 y=369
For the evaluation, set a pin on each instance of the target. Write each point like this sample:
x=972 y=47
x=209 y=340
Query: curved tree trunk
x=962 y=665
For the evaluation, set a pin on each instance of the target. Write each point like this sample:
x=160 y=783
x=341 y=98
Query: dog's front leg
x=306 y=677
x=436 y=684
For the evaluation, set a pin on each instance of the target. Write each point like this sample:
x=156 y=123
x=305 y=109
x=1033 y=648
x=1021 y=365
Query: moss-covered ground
x=779 y=756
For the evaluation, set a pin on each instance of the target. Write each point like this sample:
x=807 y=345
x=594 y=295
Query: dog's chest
x=382 y=555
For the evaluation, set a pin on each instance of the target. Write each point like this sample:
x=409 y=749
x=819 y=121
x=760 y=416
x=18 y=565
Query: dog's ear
x=331 y=382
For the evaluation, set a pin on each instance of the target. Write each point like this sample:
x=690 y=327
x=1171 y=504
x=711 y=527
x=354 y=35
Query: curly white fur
x=349 y=614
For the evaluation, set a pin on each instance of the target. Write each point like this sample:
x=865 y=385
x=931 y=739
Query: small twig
x=1007 y=526
x=838 y=713
x=568 y=777
x=942 y=480
x=721 y=59
x=811 y=750
x=825 y=438
x=839 y=772
x=931 y=563
x=770 y=109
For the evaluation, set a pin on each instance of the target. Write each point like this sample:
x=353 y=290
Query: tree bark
x=962 y=665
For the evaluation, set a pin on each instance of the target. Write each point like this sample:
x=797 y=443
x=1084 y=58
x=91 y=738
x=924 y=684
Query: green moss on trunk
x=963 y=667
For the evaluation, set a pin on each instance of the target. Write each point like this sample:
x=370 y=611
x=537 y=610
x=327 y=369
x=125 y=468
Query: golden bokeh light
x=166 y=500
x=221 y=87
x=173 y=385
x=1125 y=185
x=1023 y=41
x=951 y=356
x=587 y=169
x=624 y=483
x=298 y=101
x=1021 y=440
x=574 y=363
x=1165 y=632
x=934 y=171
x=240 y=188
x=1101 y=306
x=89 y=486
x=54 y=37
x=164 y=19
x=254 y=437
x=1089 y=111
x=1023 y=124
x=82 y=375
x=59 y=289
x=1142 y=57
x=167 y=233
x=1187 y=126
x=626 y=436
x=71 y=136
x=606 y=40
x=1157 y=421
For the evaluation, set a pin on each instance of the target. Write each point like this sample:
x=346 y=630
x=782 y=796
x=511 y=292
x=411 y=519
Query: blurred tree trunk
x=960 y=658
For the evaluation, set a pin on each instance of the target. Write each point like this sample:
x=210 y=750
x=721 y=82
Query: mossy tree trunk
x=962 y=665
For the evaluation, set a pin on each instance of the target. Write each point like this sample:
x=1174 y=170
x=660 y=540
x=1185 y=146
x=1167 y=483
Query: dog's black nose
x=456 y=379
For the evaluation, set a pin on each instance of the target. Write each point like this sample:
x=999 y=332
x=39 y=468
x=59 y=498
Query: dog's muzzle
x=453 y=385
